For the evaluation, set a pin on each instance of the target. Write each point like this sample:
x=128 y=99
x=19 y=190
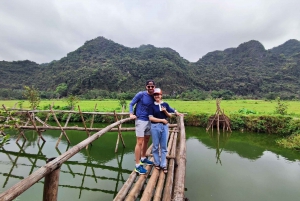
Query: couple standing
x=151 y=118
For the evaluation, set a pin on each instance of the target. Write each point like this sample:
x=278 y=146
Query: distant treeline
x=194 y=95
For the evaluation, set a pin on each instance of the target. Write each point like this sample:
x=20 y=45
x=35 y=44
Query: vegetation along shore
x=274 y=117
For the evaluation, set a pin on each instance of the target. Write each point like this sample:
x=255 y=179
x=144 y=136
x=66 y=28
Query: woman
x=159 y=112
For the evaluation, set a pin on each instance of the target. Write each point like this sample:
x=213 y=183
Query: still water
x=225 y=167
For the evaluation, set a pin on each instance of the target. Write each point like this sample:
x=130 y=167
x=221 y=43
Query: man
x=142 y=100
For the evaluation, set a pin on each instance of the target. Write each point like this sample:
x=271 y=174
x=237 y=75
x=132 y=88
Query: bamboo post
x=62 y=130
x=48 y=113
x=180 y=170
x=119 y=133
x=51 y=184
x=61 y=133
x=87 y=132
x=21 y=133
x=93 y=117
x=37 y=130
x=212 y=121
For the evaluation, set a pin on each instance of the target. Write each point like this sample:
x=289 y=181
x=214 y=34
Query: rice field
x=190 y=107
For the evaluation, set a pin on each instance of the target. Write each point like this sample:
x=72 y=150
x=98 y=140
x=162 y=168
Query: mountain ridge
x=103 y=65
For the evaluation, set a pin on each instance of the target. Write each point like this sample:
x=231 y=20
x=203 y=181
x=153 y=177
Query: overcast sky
x=46 y=30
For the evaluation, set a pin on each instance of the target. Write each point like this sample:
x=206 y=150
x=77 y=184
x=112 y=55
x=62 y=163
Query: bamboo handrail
x=76 y=128
x=69 y=111
x=26 y=183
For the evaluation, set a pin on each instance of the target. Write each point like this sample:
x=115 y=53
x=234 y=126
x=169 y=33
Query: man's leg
x=138 y=149
x=145 y=145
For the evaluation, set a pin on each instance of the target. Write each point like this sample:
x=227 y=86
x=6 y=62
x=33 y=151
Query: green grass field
x=190 y=107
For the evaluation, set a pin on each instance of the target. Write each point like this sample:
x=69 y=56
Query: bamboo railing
x=160 y=186
x=26 y=183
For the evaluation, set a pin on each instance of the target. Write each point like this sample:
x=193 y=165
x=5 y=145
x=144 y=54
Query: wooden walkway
x=155 y=185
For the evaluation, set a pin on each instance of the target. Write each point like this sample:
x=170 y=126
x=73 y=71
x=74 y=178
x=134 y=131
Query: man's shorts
x=142 y=128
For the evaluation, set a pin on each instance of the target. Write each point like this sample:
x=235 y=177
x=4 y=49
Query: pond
x=236 y=166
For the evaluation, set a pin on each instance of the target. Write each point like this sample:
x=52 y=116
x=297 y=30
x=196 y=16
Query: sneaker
x=146 y=162
x=140 y=170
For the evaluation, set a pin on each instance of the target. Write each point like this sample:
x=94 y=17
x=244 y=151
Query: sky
x=47 y=30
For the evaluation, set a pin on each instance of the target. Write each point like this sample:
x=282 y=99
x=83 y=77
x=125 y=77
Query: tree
x=33 y=96
x=281 y=107
x=123 y=103
x=61 y=90
x=72 y=101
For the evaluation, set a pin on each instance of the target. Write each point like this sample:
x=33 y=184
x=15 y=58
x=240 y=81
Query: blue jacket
x=154 y=110
x=142 y=100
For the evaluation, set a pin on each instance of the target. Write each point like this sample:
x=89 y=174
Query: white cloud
x=47 y=30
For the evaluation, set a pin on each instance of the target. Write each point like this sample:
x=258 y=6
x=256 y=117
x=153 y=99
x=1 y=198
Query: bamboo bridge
x=155 y=185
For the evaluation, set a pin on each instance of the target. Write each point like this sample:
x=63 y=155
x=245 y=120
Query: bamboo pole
x=37 y=130
x=21 y=133
x=51 y=184
x=212 y=121
x=61 y=133
x=69 y=111
x=62 y=130
x=167 y=195
x=26 y=183
x=77 y=128
x=150 y=188
x=136 y=189
x=119 y=135
x=168 y=156
x=180 y=170
x=39 y=120
x=93 y=117
x=127 y=185
x=87 y=132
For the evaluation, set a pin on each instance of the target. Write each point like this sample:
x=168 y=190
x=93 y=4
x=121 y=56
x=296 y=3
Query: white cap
x=157 y=91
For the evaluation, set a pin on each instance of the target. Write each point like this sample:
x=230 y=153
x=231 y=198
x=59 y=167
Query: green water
x=239 y=166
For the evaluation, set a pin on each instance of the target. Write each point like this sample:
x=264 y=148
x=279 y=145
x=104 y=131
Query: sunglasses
x=150 y=86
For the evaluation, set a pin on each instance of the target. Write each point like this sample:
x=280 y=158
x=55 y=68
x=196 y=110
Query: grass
x=190 y=107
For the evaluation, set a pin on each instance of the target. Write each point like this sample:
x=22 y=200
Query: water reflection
x=219 y=140
x=255 y=166
x=95 y=170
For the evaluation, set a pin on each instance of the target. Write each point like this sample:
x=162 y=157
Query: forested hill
x=103 y=65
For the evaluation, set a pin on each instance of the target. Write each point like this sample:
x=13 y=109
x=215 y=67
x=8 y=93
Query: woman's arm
x=165 y=111
x=154 y=119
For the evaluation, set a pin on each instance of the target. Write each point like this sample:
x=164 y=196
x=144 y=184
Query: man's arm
x=134 y=101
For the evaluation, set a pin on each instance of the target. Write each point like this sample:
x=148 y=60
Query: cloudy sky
x=46 y=30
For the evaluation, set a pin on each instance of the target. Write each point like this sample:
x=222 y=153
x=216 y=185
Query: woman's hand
x=164 y=121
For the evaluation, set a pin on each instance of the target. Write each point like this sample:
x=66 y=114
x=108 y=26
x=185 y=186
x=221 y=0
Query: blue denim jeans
x=160 y=134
